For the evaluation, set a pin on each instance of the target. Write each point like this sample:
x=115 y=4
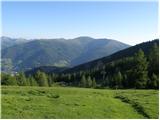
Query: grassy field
x=60 y=102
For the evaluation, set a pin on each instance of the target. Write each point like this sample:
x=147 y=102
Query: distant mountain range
x=8 y=42
x=98 y=63
x=21 y=54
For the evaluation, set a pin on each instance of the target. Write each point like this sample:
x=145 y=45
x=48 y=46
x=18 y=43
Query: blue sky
x=128 y=22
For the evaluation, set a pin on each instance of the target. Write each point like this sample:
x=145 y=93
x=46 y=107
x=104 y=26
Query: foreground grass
x=60 y=102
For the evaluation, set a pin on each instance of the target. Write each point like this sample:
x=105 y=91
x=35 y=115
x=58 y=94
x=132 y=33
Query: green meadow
x=68 y=102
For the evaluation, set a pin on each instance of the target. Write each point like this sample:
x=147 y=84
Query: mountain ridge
x=145 y=46
x=59 y=52
x=128 y=52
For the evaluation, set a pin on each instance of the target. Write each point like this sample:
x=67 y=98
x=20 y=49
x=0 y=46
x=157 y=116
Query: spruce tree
x=107 y=81
x=50 y=81
x=119 y=79
x=69 y=77
x=94 y=83
x=21 y=79
x=4 y=79
x=125 y=81
x=7 y=79
x=41 y=78
x=139 y=70
x=89 y=82
x=153 y=57
x=28 y=82
x=83 y=81
x=153 y=82
x=33 y=82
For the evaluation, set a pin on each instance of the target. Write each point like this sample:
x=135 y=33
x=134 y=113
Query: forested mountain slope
x=137 y=67
x=118 y=55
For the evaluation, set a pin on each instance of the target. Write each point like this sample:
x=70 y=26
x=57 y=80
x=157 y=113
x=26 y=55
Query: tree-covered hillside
x=139 y=70
x=128 y=52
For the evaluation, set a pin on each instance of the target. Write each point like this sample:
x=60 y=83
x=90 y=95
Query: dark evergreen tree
x=153 y=82
x=118 y=80
x=7 y=79
x=83 y=81
x=105 y=82
x=94 y=83
x=69 y=77
x=50 y=81
x=153 y=57
x=139 y=70
x=41 y=78
x=21 y=79
x=4 y=78
x=28 y=82
x=89 y=82
x=125 y=81
x=33 y=82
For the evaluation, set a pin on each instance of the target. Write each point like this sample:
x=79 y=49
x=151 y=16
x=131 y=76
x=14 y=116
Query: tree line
x=139 y=71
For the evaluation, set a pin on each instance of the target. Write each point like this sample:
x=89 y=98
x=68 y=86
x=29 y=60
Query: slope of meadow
x=60 y=102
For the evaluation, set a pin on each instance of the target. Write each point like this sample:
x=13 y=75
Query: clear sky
x=128 y=22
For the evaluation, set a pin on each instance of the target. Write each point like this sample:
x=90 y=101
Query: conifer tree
x=28 y=82
x=153 y=82
x=21 y=79
x=50 y=81
x=83 y=81
x=140 y=73
x=41 y=78
x=33 y=82
x=94 y=83
x=125 y=81
x=7 y=79
x=89 y=82
x=118 y=80
x=153 y=57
